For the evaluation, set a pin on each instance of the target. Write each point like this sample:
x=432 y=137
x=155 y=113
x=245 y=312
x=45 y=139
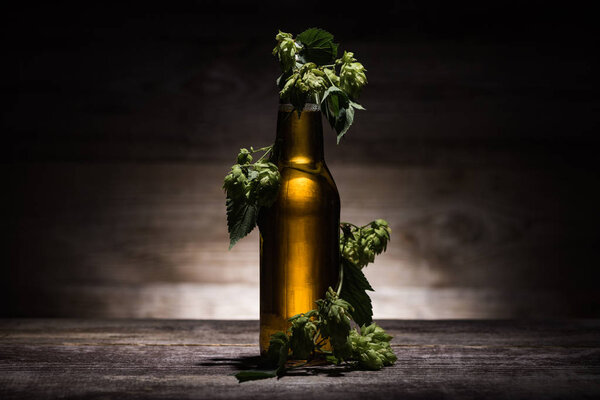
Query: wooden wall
x=478 y=147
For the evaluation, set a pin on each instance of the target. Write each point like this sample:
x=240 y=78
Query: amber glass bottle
x=299 y=233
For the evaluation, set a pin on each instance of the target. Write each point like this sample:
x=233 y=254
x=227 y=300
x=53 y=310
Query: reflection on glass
x=299 y=234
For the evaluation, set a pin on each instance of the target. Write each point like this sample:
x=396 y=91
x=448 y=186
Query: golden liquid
x=299 y=233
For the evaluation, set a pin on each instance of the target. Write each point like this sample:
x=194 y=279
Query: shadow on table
x=249 y=363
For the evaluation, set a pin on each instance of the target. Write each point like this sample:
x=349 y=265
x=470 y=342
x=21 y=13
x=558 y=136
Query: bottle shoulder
x=300 y=182
x=294 y=170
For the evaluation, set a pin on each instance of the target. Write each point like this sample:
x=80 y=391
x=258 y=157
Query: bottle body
x=299 y=233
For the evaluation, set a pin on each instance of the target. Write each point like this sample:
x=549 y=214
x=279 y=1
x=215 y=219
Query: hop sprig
x=360 y=245
x=367 y=348
x=249 y=186
x=308 y=83
x=358 y=248
x=311 y=73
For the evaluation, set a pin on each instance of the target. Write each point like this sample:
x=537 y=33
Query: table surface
x=50 y=358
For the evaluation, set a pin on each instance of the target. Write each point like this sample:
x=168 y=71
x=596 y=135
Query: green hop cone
x=352 y=76
x=295 y=90
x=307 y=80
x=336 y=317
x=347 y=58
x=301 y=87
x=244 y=157
x=266 y=183
x=302 y=338
x=350 y=250
x=378 y=235
x=289 y=85
x=360 y=246
x=285 y=50
x=278 y=351
x=375 y=332
x=235 y=182
x=315 y=81
x=371 y=347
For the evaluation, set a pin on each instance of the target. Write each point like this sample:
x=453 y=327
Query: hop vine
x=341 y=327
x=312 y=73
x=249 y=186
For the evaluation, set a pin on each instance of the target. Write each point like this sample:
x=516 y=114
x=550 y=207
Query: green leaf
x=357 y=106
x=344 y=121
x=332 y=359
x=283 y=357
x=354 y=287
x=318 y=46
x=253 y=375
x=241 y=219
x=338 y=108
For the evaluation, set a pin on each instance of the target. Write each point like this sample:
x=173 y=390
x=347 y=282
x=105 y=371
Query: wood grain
x=195 y=359
x=478 y=146
x=128 y=240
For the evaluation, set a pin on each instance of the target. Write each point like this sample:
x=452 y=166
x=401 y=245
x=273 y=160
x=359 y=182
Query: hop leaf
x=317 y=46
x=336 y=106
x=241 y=219
x=354 y=291
x=254 y=375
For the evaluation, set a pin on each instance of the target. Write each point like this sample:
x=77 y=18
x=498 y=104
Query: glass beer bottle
x=299 y=233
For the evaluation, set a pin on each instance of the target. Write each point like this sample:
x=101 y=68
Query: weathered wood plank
x=131 y=241
x=487 y=137
x=559 y=333
x=205 y=372
x=436 y=359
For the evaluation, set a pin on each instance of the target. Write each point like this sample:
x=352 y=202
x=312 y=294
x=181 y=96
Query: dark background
x=479 y=147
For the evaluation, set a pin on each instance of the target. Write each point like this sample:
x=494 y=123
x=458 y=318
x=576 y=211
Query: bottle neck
x=299 y=139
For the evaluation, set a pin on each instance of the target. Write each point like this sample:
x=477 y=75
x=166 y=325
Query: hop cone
x=371 y=347
x=235 y=182
x=352 y=76
x=266 y=183
x=244 y=157
x=285 y=50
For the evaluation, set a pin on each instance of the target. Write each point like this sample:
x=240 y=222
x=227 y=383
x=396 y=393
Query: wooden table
x=52 y=358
